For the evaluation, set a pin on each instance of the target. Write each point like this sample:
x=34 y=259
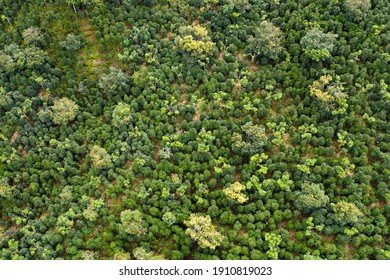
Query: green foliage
x=330 y=94
x=267 y=41
x=72 y=43
x=317 y=44
x=121 y=115
x=273 y=241
x=252 y=142
x=346 y=213
x=114 y=81
x=64 y=110
x=311 y=197
x=157 y=106
x=202 y=230
x=99 y=157
x=194 y=40
x=132 y=222
x=234 y=192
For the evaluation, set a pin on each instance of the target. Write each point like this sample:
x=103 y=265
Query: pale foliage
x=99 y=157
x=121 y=114
x=32 y=35
x=317 y=44
x=346 y=212
x=64 y=110
x=234 y=192
x=120 y=255
x=202 y=230
x=131 y=222
x=267 y=41
x=194 y=40
x=330 y=94
x=141 y=254
x=358 y=8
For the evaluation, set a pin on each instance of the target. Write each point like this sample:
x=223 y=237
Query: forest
x=194 y=130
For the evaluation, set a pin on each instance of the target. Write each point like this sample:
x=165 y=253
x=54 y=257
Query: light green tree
x=330 y=93
x=273 y=241
x=358 y=8
x=311 y=197
x=120 y=255
x=32 y=35
x=346 y=212
x=266 y=42
x=91 y=213
x=141 y=254
x=5 y=189
x=234 y=192
x=132 y=222
x=64 y=110
x=169 y=218
x=121 y=115
x=202 y=230
x=194 y=39
x=99 y=157
x=317 y=44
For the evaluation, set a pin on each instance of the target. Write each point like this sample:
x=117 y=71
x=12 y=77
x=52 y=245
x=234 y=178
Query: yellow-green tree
x=132 y=222
x=330 y=94
x=358 y=8
x=64 y=110
x=346 y=212
x=99 y=157
x=234 y=192
x=202 y=230
x=194 y=39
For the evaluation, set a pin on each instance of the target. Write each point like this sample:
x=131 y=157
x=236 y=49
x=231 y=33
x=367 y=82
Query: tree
x=64 y=110
x=99 y=157
x=169 y=218
x=311 y=197
x=91 y=213
x=120 y=255
x=121 y=114
x=194 y=40
x=132 y=222
x=113 y=81
x=14 y=57
x=358 y=8
x=273 y=240
x=234 y=192
x=72 y=43
x=253 y=141
x=317 y=44
x=32 y=35
x=330 y=94
x=141 y=254
x=5 y=189
x=346 y=212
x=75 y=3
x=202 y=230
x=266 y=42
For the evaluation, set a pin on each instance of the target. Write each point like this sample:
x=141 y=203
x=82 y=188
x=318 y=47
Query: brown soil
x=14 y=136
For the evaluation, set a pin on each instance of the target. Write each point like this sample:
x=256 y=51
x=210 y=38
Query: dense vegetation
x=200 y=129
